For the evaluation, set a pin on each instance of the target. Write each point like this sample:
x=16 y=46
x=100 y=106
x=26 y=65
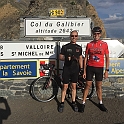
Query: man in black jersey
x=71 y=54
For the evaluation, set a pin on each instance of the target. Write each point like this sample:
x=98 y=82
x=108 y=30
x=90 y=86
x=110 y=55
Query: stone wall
x=112 y=87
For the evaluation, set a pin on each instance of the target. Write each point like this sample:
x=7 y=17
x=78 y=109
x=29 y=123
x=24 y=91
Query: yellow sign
x=57 y=12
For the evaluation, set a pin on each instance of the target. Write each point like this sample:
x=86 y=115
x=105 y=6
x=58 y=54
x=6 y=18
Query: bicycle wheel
x=44 y=89
x=80 y=89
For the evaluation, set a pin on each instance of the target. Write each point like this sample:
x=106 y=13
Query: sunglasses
x=74 y=35
x=95 y=33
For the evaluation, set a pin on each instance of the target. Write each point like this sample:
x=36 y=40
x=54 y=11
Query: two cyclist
x=95 y=53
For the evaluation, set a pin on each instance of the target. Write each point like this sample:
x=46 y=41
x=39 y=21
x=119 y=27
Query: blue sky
x=112 y=14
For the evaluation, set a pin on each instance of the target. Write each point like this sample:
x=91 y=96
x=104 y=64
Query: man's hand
x=74 y=58
x=69 y=57
x=106 y=74
x=84 y=75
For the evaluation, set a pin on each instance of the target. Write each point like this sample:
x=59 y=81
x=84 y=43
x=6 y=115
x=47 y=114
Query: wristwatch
x=107 y=69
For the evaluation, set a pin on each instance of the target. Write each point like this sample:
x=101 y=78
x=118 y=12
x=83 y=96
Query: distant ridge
x=12 y=10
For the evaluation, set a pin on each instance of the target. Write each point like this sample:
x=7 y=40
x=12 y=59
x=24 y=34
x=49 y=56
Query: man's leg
x=63 y=94
x=89 y=77
x=99 y=90
x=86 y=90
x=99 y=95
x=74 y=105
x=99 y=78
x=85 y=93
x=73 y=87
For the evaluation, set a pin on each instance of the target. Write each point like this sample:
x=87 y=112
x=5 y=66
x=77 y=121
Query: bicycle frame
x=53 y=75
x=50 y=83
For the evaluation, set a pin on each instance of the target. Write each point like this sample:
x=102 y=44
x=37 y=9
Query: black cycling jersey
x=71 y=68
x=73 y=51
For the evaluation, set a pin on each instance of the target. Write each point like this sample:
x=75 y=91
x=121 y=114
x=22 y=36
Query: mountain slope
x=12 y=10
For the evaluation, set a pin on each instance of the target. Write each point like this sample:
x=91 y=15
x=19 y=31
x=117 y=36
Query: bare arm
x=81 y=61
x=106 y=65
x=107 y=61
x=85 y=62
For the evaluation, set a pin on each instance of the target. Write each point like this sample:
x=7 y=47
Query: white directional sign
x=27 y=50
x=48 y=49
x=57 y=27
x=116 y=48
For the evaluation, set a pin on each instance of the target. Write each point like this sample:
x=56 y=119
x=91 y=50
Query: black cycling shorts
x=70 y=75
x=91 y=71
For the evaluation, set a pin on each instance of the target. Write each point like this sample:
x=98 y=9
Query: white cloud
x=117 y=17
x=112 y=14
x=114 y=26
x=105 y=4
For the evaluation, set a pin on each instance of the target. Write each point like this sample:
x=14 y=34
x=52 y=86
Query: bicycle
x=45 y=88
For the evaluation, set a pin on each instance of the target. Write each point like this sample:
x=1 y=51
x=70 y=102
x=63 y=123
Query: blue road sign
x=18 y=69
x=116 y=67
